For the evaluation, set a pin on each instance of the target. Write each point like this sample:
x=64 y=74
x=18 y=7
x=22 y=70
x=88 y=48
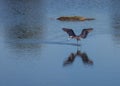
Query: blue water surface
x=34 y=50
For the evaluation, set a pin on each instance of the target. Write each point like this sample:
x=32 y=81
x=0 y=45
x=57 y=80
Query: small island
x=73 y=18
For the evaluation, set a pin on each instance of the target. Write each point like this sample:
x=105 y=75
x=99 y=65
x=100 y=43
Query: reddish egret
x=83 y=34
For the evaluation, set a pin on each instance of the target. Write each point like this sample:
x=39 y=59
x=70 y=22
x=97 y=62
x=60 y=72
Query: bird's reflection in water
x=83 y=56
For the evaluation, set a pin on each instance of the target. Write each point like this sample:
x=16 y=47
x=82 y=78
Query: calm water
x=34 y=51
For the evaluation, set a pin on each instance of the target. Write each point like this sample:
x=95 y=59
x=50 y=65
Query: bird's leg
x=77 y=42
x=78 y=46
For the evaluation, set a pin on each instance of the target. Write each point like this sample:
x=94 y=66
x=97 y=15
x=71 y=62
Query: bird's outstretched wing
x=85 y=32
x=70 y=32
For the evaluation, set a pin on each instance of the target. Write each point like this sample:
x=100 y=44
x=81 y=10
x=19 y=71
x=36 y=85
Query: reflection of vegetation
x=18 y=35
x=83 y=56
x=73 y=18
x=25 y=11
x=115 y=22
x=25 y=50
x=24 y=32
x=24 y=21
x=116 y=33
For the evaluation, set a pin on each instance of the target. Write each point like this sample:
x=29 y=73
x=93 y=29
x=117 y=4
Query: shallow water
x=34 y=51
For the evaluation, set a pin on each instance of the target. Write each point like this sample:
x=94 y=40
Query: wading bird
x=83 y=34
